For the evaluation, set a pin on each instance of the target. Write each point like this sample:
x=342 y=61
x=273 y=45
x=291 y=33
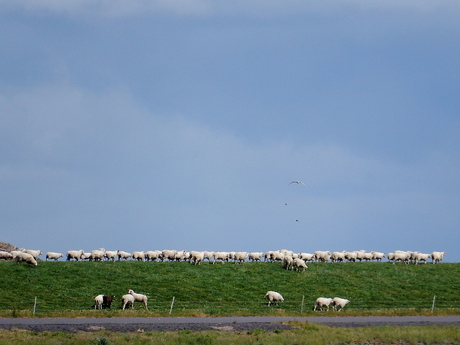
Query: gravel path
x=267 y=323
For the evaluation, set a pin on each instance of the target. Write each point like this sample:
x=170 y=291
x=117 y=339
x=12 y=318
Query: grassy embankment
x=68 y=288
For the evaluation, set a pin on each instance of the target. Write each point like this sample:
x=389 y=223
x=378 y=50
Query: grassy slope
x=228 y=289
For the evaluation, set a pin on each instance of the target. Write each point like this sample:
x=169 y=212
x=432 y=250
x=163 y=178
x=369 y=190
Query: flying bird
x=298 y=182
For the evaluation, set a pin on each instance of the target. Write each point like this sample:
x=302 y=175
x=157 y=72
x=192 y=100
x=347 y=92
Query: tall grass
x=68 y=288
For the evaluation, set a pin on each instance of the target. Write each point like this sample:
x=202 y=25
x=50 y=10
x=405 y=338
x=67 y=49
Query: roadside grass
x=67 y=289
x=305 y=333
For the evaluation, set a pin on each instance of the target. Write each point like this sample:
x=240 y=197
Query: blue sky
x=148 y=125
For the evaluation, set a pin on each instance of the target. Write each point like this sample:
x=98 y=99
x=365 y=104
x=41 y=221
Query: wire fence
x=303 y=304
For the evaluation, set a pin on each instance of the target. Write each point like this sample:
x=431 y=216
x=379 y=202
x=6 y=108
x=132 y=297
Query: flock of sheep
x=290 y=260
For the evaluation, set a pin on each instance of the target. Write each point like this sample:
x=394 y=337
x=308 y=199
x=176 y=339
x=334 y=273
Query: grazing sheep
x=299 y=264
x=98 y=301
x=138 y=297
x=126 y=300
x=5 y=255
x=123 y=255
x=437 y=257
x=339 y=302
x=288 y=262
x=322 y=302
x=97 y=255
x=74 y=254
x=34 y=253
x=274 y=297
x=24 y=257
x=54 y=256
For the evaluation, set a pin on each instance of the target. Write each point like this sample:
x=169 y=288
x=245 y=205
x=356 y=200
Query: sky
x=151 y=125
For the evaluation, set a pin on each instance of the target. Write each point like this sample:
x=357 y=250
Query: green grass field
x=68 y=288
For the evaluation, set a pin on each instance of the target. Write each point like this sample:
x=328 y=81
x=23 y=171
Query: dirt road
x=211 y=323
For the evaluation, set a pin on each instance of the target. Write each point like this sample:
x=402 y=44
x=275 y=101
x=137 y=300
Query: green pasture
x=68 y=288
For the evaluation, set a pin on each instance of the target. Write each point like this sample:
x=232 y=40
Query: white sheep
x=86 y=256
x=196 y=257
x=126 y=300
x=98 y=301
x=208 y=255
x=168 y=254
x=299 y=264
x=337 y=256
x=288 y=262
x=421 y=257
x=256 y=256
x=377 y=256
x=307 y=257
x=139 y=256
x=138 y=297
x=322 y=256
x=53 y=256
x=437 y=257
x=24 y=257
x=322 y=302
x=111 y=254
x=274 y=297
x=240 y=257
x=223 y=256
x=401 y=256
x=153 y=255
x=5 y=255
x=34 y=253
x=74 y=254
x=123 y=255
x=351 y=256
x=339 y=302
x=97 y=255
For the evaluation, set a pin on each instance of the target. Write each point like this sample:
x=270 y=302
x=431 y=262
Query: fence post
x=172 y=304
x=301 y=307
x=35 y=305
x=432 y=306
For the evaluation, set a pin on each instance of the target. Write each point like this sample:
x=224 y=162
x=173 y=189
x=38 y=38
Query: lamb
x=322 y=302
x=123 y=255
x=74 y=254
x=437 y=257
x=139 y=297
x=299 y=264
x=5 y=255
x=98 y=301
x=339 y=302
x=34 y=253
x=127 y=299
x=54 y=256
x=274 y=297
x=107 y=301
x=26 y=257
x=139 y=256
